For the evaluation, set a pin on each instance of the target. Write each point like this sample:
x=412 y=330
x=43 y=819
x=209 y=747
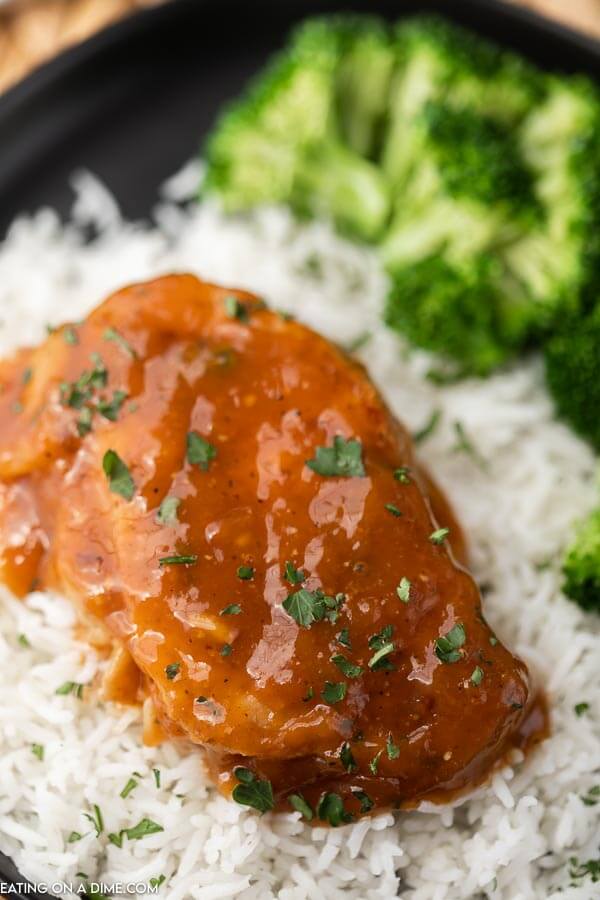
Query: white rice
x=514 y=839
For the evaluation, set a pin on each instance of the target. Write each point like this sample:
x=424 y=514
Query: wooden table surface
x=34 y=30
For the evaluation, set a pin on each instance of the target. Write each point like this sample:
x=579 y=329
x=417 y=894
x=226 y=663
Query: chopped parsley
x=392 y=749
x=477 y=676
x=234 y=609
x=581 y=870
x=110 y=409
x=156 y=773
x=84 y=422
x=157 y=881
x=129 y=787
x=111 y=334
x=344 y=638
x=38 y=750
x=402 y=475
x=96 y=819
x=347 y=668
x=143 y=829
x=298 y=803
x=245 y=573
x=70 y=336
x=74 y=837
x=307 y=606
x=592 y=798
x=343 y=459
x=393 y=510
x=26 y=376
x=430 y=426
x=235 y=309
x=374 y=764
x=70 y=687
x=189 y=559
x=493 y=640
x=330 y=808
x=292 y=575
x=23 y=641
x=167 y=511
x=581 y=709
x=199 y=451
x=447 y=647
x=347 y=758
x=439 y=536
x=383 y=646
x=119 y=476
x=465 y=445
x=366 y=804
x=226 y=650
x=309 y=694
x=172 y=670
x=403 y=590
x=333 y=692
x=252 y=791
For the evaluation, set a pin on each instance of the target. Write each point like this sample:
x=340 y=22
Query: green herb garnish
x=38 y=750
x=402 y=475
x=70 y=687
x=374 y=764
x=447 y=647
x=110 y=409
x=366 y=804
x=333 y=692
x=430 y=426
x=156 y=773
x=252 y=791
x=403 y=590
x=343 y=459
x=235 y=309
x=172 y=670
x=393 y=509
x=298 y=803
x=143 y=829
x=119 y=476
x=70 y=336
x=581 y=708
x=344 y=638
x=245 y=573
x=234 y=609
x=167 y=511
x=330 y=808
x=199 y=451
x=189 y=559
x=477 y=676
x=307 y=606
x=226 y=650
x=96 y=819
x=347 y=758
x=111 y=334
x=392 y=749
x=292 y=575
x=129 y=787
x=439 y=536
x=347 y=668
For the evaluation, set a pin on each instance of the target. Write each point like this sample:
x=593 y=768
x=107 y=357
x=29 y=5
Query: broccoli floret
x=252 y=154
x=572 y=358
x=452 y=311
x=581 y=566
x=367 y=62
x=281 y=143
x=478 y=157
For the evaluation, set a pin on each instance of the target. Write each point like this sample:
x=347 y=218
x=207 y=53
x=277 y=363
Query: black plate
x=133 y=103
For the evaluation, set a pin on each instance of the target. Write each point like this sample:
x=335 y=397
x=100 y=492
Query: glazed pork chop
x=236 y=513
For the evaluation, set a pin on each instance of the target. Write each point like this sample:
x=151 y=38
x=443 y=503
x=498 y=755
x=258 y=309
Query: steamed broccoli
x=581 y=566
x=285 y=140
x=450 y=310
x=475 y=174
x=572 y=358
